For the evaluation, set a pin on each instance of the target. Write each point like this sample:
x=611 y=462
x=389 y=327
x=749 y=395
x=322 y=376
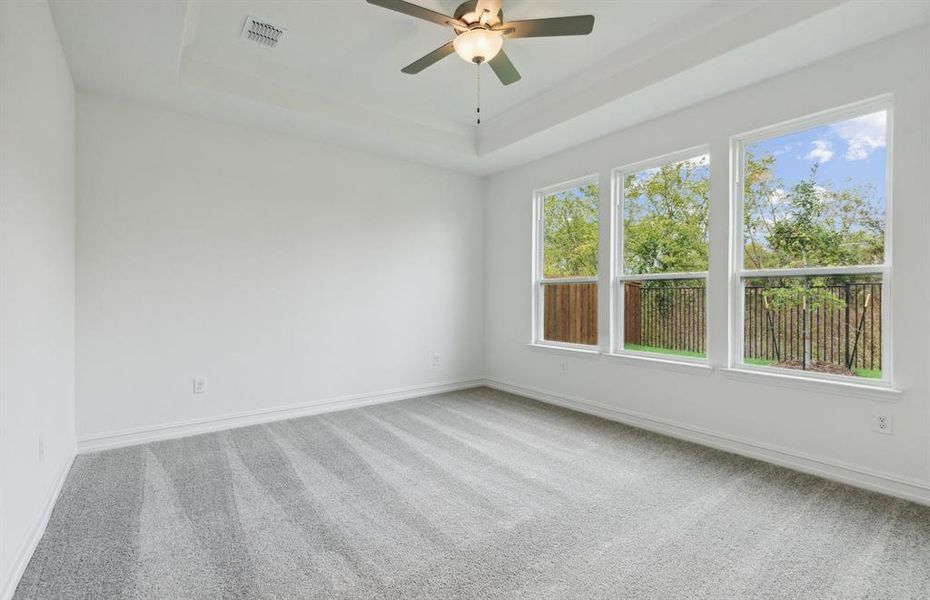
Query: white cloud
x=824 y=196
x=862 y=135
x=698 y=161
x=788 y=148
x=821 y=152
x=778 y=196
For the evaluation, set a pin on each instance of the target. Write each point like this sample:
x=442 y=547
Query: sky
x=850 y=153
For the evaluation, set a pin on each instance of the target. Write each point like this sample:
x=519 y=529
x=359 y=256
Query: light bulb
x=478 y=45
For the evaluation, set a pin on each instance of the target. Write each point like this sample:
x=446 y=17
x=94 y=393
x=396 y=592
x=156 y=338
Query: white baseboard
x=35 y=534
x=142 y=435
x=885 y=483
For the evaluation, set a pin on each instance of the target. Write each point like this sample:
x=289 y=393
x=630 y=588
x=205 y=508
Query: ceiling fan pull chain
x=478 y=77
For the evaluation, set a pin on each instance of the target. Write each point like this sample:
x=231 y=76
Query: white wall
x=37 y=156
x=283 y=271
x=811 y=427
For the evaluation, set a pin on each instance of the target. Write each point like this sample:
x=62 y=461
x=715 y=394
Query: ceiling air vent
x=261 y=33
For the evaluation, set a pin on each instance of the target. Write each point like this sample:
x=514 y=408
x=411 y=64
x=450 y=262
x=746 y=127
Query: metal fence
x=848 y=335
x=670 y=317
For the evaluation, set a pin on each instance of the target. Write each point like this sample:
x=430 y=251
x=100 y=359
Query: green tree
x=811 y=225
x=815 y=223
x=665 y=219
x=570 y=232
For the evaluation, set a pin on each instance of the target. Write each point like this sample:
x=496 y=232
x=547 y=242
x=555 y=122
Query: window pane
x=821 y=324
x=570 y=313
x=665 y=218
x=667 y=317
x=570 y=223
x=816 y=198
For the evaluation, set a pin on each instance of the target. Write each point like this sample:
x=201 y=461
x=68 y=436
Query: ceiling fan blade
x=414 y=11
x=578 y=25
x=504 y=69
x=431 y=58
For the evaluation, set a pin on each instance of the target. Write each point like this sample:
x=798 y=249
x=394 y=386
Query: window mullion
x=663 y=276
x=815 y=271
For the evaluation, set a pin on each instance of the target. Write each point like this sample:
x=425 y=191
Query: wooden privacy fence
x=570 y=312
x=848 y=335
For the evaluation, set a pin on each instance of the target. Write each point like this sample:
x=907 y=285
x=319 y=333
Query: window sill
x=557 y=348
x=660 y=362
x=841 y=388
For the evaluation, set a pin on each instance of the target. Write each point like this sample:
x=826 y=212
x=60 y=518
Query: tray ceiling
x=335 y=75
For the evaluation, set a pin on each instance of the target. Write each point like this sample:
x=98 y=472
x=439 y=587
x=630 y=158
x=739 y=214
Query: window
x=811 y=262
x=565 y=270
x=661 y=256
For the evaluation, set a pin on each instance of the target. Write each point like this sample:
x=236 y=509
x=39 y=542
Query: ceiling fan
x=480 y=31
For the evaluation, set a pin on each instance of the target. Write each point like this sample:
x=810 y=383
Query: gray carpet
x=474 y=494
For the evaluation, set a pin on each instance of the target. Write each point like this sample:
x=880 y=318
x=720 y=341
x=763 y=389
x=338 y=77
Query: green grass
x=869 y=373
x=866 y=373
x=762 y=362
x=658 y=350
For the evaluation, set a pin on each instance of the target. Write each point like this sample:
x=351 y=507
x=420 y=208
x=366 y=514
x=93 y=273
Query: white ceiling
x=336 y=75
x=352 y=50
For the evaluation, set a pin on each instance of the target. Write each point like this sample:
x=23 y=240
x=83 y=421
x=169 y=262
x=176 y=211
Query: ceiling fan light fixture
x=478 y=45
x=480 y=29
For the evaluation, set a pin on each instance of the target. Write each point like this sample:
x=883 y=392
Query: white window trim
x=618 y=277
x=662 y=361
x=738 y=272
x=539 y=282
x=787 y=378
x=577 y=349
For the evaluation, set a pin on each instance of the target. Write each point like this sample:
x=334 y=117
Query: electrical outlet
x=41 y=448
x=436 y=361
x=564 y=368
x=882 y=424
x=200 y=386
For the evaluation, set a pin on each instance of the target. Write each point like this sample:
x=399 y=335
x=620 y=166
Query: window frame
x=738 y=271
x=539 y=281
x=618 y=277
